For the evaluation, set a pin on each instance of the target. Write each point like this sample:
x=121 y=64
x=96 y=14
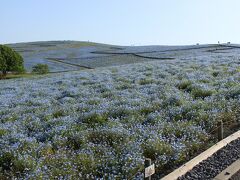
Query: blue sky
x=122 y=22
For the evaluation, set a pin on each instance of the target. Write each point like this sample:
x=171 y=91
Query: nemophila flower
x=100 y=124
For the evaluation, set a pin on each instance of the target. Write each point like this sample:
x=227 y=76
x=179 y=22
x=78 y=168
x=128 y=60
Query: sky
x=122 y=22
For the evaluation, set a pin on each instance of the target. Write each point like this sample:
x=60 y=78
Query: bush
x=10 y=61
x=40 y=69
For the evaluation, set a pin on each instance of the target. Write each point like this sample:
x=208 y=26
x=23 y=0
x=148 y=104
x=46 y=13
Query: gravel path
x=219 y=161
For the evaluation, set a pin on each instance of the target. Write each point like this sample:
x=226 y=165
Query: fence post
x=220 y=130
x=147 y=163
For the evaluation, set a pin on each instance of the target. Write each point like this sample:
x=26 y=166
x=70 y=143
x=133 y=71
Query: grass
x=201 y=93
x=15 y=76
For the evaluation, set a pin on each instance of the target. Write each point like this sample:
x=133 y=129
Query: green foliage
x=124 y=85
x=184 y=85
x=233 y=93
x=215 y=73
x=109 y=138
x=146 y=81
x=75 y=141
x=173 y=101
x=58 y=113
x=14 y=76
x=201 y=93
x=2 y=64
x=58 y=166
x=94 y=119
x=40 y=69
x=119 y=113
x=157 y=148
x=46 y=150
x=3 y=132
x=6 y=160
x=9 y=162
x=85 y=163
x=10 y=61
x=228 y=117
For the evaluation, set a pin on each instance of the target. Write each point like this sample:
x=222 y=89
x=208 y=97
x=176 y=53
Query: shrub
x=10 y=61
x=40 y=69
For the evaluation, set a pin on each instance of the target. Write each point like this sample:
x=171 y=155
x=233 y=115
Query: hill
x=103 y=123
x=73 y=55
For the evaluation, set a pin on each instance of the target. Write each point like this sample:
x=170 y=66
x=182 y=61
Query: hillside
x=102 y=122
x=73 y=55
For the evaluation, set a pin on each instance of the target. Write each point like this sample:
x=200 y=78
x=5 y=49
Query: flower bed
x=102 y=123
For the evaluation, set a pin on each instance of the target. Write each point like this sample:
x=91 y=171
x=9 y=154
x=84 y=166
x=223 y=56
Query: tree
x=40 y=69
x=10 y=61
x=2 y=65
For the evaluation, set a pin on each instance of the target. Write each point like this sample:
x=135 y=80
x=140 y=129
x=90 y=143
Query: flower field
x=79 y=54
x=102 y=123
